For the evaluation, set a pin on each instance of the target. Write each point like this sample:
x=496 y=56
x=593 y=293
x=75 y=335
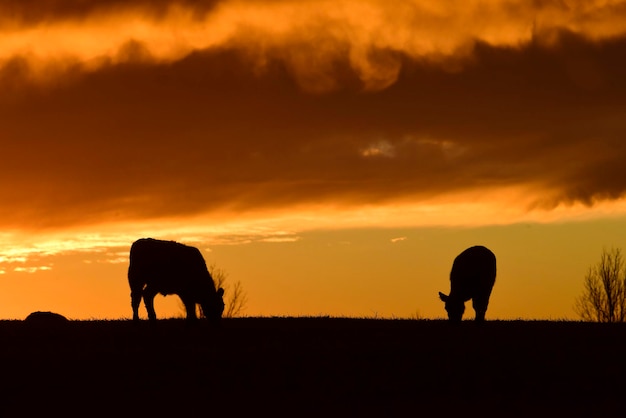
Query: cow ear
x=220 y=292
x=443 y=297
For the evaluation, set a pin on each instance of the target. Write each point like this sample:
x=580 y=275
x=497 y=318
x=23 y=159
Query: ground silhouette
x=169 y=267
x=312 y=367
x=46 y=318
x=472 y=277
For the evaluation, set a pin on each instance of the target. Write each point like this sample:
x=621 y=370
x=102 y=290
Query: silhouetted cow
x=168 y=267
x=472 y=277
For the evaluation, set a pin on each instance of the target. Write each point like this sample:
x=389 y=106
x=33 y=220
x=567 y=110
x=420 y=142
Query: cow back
x=168 y=266
x=473 y=273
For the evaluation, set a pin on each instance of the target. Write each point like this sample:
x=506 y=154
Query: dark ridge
x=312 y=367
x=45 y=317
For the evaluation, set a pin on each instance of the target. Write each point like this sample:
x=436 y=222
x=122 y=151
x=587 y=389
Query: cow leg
x=135 y=300
x=480 y=307
x=190 y=307
x=148 y=300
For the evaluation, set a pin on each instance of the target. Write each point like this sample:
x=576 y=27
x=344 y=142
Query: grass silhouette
x=302 y=367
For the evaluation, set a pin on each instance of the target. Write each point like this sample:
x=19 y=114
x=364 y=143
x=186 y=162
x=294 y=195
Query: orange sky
x=333 y=156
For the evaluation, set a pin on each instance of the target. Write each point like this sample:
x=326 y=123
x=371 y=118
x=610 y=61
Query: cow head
x=214 y=308
x=454 y=307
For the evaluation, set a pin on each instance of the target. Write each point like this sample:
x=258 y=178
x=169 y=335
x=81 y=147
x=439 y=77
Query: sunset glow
x=333 y=156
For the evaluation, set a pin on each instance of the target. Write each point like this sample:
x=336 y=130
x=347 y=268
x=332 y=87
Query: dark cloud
x=217 y=131
x=32 y=12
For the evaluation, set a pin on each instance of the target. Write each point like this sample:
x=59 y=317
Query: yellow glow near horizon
x=21 y=249
x=366 y=272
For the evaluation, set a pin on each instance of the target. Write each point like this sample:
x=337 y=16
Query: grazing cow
x=168 y=267
x=472 y=277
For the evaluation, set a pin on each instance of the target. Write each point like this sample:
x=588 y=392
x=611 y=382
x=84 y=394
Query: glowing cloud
x=118 y=112
x=381 y=148
x=309 y=36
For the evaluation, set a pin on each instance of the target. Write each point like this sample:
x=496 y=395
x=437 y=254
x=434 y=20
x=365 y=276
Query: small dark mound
x=46 y=318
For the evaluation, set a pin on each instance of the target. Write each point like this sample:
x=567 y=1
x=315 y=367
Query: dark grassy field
x=321 y=367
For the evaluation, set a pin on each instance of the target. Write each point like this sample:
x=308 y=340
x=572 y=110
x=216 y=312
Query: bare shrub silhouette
x=472 y=276
x=604 y=295
x=237 y=297
x=169 y=267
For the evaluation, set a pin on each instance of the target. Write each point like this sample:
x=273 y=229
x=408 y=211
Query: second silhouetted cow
x=168 y=267
x=472 y=277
